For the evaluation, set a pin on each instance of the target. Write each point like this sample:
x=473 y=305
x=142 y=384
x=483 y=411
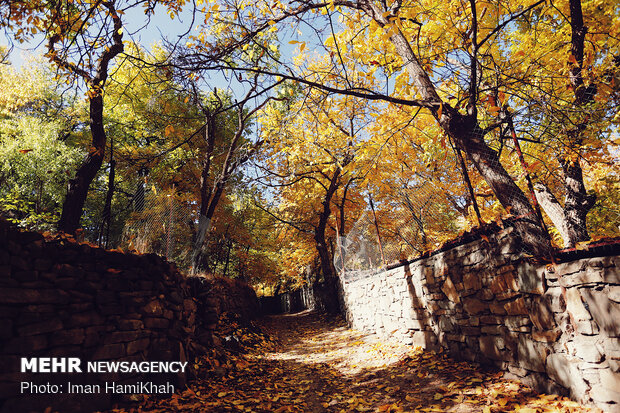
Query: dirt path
x=319 y=365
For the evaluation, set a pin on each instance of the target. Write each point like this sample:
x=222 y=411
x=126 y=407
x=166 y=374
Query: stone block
x=588 y=328
x=497 y=308
x=471 y=281
x=90 y=318
x=575 y=307
x=565 y=371
x=610 y=380
x=25 y=345
x=424 y=339
x=474 y=306
x=550 y=336
x=130 y=324
x=137 y=346
x=570 y=267
x=109 y=352
x=614 y=293
x=516 y=307
x=605 y=312
x=489 y=319
x=586 y=348
x=541 y=314
x=455 y=337
x=558 y=303
x=530 y=278
x=40 y=328
x=68 y=337
x=122 y=336
x=449 y=290
x=532 y=354
x=516 y=322
x=157 y=323
x=611 y=274
x=27 y=296
x=470 y=331
x=491 y=347
x=584 y=276
x=493 y=329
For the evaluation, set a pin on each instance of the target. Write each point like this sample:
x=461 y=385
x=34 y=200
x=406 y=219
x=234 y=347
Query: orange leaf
x=25 y=150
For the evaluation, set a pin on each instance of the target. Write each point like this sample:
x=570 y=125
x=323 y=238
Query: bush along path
x=312 y=363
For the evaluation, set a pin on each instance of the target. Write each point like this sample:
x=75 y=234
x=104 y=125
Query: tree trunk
x=329 y=296
x=469 y=137
x=577 y=203
x=78 y=186
x=204 y=222
x=554 y=210
x=106 y=215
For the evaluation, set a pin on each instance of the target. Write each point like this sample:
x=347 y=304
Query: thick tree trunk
x=469 y=137
x=78 y=186
x=329 y=296
x=577 y=203
x=554 y=211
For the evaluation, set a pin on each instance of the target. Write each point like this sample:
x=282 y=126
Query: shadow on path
x=320 y=365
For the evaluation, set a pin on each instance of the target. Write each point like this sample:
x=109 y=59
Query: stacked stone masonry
x=65 y=299
x=555 y=327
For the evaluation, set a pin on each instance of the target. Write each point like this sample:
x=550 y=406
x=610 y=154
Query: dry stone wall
x=554 y=327
x=65 y=299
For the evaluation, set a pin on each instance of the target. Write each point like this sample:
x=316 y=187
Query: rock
x=40 y=328
x=565 y=371
x=606 y=313
x=516 y=307
x=491 y=347
x=157 y=323
x=497 y=308
x=450 y=290
x=532 y=354
x=586 y=348
x=541 y=313
x=137 y=346
x=26 y=296
x=474 y=306
x=610 y=381
x=546 y=336
x=68 y=337
x=109 y=352
x=131 y=324
x=575 y=307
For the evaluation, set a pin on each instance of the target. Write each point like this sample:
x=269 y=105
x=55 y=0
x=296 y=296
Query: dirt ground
x=315 y=363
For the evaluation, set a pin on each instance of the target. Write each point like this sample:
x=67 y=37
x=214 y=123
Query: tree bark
x=469 y=137
x=329 y=297
x=577 y=203
x=78 y=186
x=204 y=222
x=554 y=210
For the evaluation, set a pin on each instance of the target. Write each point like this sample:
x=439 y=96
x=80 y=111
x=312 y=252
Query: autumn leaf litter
x=313 y=363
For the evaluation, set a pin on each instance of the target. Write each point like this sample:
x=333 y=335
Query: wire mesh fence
x=410 y=220
x=162 y=223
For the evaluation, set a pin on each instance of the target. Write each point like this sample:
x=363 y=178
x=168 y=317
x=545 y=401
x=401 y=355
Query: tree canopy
x=279 y=126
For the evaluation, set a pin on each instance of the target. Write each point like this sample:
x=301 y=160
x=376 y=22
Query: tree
x=310 y=157
x=449 y=70
x=40 y=132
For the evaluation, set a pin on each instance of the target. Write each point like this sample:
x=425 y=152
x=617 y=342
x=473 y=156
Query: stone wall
x=555 y=327
x=60 y=298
